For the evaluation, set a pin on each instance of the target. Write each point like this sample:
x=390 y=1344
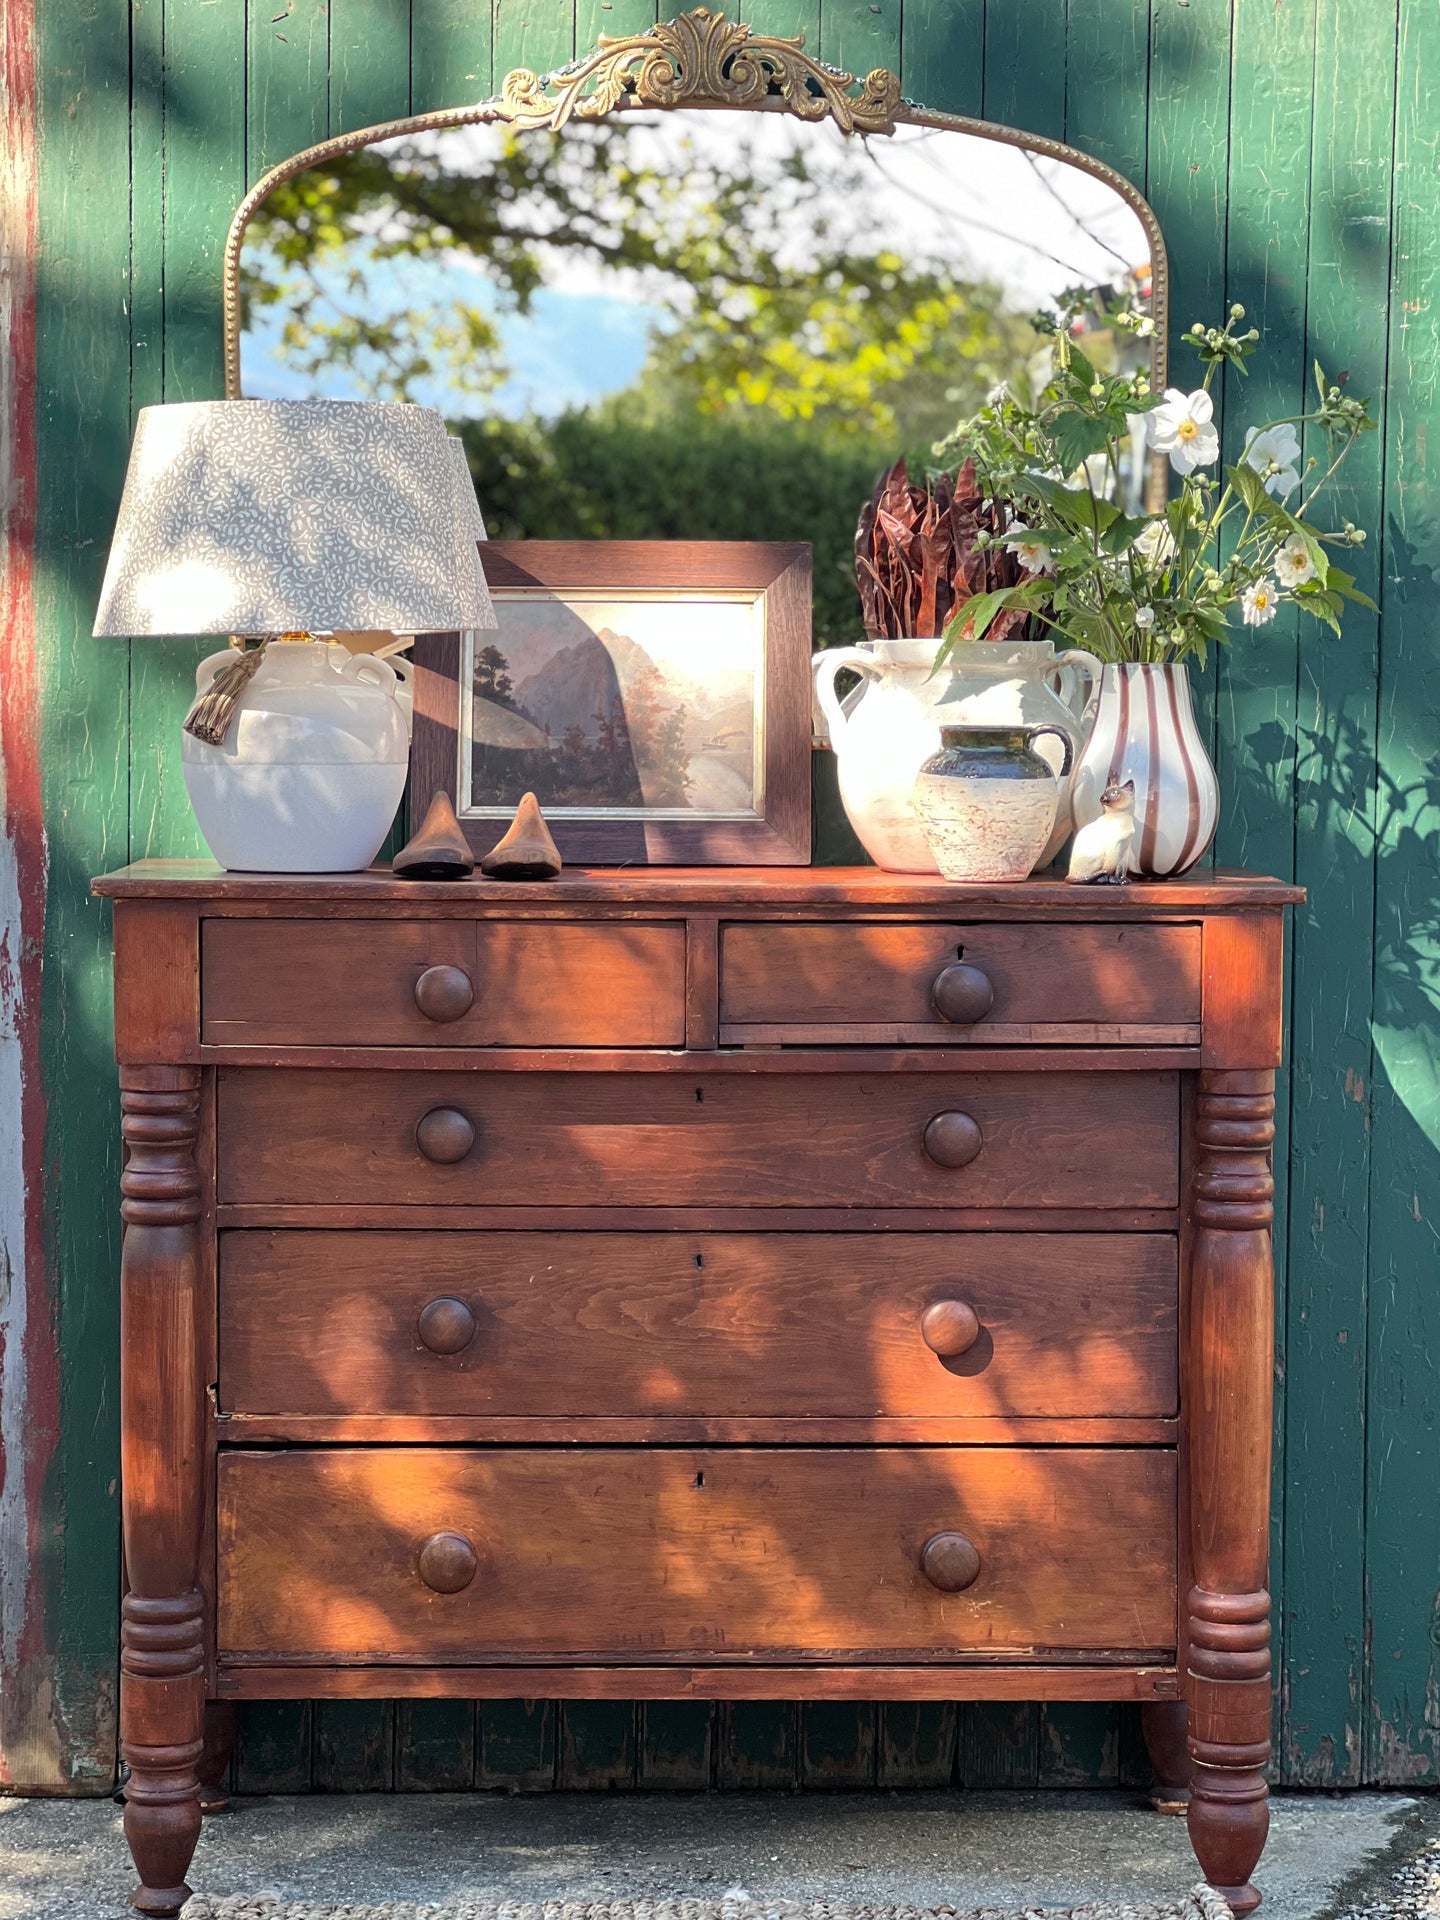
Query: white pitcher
x=309 y=776
x=890 y=725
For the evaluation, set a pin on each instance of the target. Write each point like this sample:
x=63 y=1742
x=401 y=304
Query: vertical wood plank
x=1322 y=1576
x=287 y=97
x=272 y=1746
x=942 y=54
x=68 y=777
x=786 y=18
x=1271 y=128
x=916 y=1745
x=369 y=62
x=757 y=1744
x=1187 y=182
x=596 y=1744
x=837 y=1743
x=1078 y=1745
x=1107 y=55
x=998 y=1745
x=860 y=35
x=612 y=17
x=434 y=1746
x=1402 y=1741
x=1025 y=58
x=450 y=53
x=676 y=1744
x=354 y=1742
x=517 y=1745
x=538 y=34
x=204 y=175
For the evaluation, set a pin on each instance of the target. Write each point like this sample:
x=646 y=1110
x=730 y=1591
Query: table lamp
x=274 y=521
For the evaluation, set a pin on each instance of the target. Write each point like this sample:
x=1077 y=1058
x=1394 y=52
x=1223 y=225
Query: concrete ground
x=1327 y=1857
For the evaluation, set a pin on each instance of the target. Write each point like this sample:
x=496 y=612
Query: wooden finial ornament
x=439 y=851
x=527 y=852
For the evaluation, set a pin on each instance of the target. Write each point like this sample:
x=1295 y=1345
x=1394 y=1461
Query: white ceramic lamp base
x=314 y=766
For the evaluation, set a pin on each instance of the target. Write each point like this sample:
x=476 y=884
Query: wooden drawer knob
x=447 y=1562
x=445 y=1135
x=448 y=1326
x=962 y=994
x=444 y=993
x=950 y=1328
x=949 y=1561
x=953 y=1139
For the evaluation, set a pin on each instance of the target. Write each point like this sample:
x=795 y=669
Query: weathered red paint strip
x=30 y=1755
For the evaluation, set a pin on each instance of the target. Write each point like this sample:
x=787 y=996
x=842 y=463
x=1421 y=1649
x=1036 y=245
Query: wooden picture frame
x=744 y=608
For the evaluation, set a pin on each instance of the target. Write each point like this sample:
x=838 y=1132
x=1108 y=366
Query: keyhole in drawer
x=699 y=1479
x=699 y=1259
x=700 y=1094
x=959 y=953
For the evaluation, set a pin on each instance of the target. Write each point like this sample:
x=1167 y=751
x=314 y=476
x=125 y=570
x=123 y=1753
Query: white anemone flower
x=1294 y=566
x=1183 y=426
x=1145 y=618
x=1029 y=549
x=1275 y=456
x=1260 y=602
x=1156 y=544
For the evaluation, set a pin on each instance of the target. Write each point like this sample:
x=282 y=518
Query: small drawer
x=459 y=983
x=1008 y=983
x=452 y=1557
x=735 y=1139
x=766 y=1325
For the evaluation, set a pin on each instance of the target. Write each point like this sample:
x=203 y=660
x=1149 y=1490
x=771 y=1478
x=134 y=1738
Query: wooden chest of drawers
x=722 y=1284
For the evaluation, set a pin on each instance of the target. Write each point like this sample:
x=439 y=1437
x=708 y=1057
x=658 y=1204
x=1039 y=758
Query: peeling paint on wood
x=32 y=1745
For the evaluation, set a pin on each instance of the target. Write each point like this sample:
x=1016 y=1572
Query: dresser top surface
x=1222 y=888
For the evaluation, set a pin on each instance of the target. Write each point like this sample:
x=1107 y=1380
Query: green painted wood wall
x=1289 y=147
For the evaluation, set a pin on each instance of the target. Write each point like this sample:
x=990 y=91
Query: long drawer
x=439 y=1555
x=764 y=1324
x=718 y=1139
x=1045 y=982
x=459 y=983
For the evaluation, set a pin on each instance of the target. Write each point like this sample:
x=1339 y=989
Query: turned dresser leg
x=1230 y=1376
x=1163 y=1722
x=162 y=1650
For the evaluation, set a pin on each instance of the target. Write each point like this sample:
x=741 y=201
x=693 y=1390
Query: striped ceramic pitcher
x=1144 y=730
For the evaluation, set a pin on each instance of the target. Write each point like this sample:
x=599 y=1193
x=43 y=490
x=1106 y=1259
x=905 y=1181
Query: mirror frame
x=699 y=59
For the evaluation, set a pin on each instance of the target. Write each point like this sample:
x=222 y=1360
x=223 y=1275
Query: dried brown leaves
x=916 y=560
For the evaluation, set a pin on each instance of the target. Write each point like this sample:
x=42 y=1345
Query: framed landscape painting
x=654 y=696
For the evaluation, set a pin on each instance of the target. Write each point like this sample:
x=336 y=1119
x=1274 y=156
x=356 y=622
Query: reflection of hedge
x=585 y=478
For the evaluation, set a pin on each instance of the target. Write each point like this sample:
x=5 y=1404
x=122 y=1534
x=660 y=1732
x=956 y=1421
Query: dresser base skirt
x=974 y=1681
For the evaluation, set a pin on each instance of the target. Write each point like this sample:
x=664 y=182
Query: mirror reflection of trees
x=798 y=308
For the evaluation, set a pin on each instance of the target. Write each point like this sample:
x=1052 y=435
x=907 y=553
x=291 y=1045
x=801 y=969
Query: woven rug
x=1202 y=1903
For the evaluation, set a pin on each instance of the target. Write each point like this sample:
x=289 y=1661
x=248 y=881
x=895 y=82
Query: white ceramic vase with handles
x=1143 y=729
x=885 y=730
x=309 y=776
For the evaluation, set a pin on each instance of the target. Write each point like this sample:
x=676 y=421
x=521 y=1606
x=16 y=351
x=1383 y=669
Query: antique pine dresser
x=720 y=1284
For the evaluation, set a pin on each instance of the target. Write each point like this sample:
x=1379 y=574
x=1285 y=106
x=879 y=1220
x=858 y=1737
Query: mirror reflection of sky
x=570 y=349
x=987 y=211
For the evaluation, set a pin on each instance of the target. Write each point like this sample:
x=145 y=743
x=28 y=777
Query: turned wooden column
x=1229 y=1383
x=162 y=1672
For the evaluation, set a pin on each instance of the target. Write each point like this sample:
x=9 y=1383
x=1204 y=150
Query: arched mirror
x=696 y=287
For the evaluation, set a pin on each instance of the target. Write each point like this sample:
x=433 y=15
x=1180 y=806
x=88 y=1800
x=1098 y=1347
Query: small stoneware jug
x=988 y=800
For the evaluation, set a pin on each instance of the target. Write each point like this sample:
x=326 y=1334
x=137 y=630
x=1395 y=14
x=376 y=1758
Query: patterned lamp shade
x=475 y=520
x=294 y=516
